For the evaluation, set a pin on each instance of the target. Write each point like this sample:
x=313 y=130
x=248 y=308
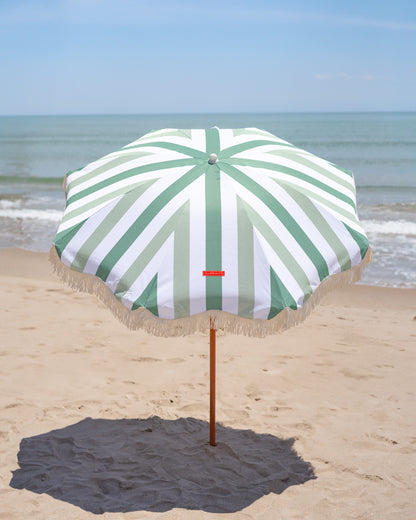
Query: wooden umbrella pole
x=212 y=385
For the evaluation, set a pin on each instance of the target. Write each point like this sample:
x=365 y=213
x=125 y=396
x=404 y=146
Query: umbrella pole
x=212 y=385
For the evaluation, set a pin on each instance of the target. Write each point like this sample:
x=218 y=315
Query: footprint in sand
x=302 y=426
x=355 y=375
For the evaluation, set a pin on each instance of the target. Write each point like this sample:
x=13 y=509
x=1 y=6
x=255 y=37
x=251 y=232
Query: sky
x=217 y=56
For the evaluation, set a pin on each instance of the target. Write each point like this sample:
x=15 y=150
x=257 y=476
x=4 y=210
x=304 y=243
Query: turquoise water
x=380 y=149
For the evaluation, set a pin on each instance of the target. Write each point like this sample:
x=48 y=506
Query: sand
x=97 y=421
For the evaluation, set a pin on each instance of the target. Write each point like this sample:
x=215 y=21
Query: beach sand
x=318 y=422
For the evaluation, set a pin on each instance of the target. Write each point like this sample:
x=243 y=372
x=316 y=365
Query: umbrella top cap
x=213 y=158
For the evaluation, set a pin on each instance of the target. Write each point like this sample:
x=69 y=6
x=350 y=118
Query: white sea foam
x=389 y=227
x=31 y=214
x=9 y=204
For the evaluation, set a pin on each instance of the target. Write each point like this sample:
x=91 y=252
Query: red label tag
x=213 y=273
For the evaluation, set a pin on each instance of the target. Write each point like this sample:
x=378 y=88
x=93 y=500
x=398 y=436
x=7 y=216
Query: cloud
x=344 y=75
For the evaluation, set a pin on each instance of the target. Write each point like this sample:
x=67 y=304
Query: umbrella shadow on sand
x=156 y=465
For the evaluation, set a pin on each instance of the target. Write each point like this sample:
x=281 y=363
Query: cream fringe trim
x=223 y=321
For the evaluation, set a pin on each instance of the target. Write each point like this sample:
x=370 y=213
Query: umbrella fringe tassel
x=224 y=322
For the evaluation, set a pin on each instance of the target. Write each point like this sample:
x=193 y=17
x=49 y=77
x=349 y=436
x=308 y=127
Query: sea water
x=379 y=148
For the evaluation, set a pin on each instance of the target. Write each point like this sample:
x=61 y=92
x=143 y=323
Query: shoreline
x=334 y=395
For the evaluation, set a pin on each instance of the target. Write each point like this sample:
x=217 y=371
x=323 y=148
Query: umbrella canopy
x=185 y=226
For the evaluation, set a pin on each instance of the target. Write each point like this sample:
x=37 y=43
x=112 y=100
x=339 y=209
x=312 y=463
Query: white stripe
x=229 y=238
x=344 y=236
x=126 y=166
x=87 y=169
x=259 y=173
x=195 y=194
x=83 y=216
x=126 y=183
x=281 y=270
x=227 y=139
x=280 y=231
x=165 y=298
x=330 y=167
x=151 y=136
x=308 y=226
x=353 y=224
x=125 y=153
x=262 y=295
x=141 y=242
x=162 y=183
x=85 y=232
x=162 y=264
x=259 y=155
x=199 y=141
x=197 y=248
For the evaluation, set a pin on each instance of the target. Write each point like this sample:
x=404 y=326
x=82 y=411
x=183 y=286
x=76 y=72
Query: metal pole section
x=212 y=386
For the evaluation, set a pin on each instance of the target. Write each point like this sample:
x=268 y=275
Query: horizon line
x=99 y=114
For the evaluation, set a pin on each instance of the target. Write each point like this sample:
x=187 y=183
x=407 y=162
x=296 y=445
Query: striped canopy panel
x=251 y=234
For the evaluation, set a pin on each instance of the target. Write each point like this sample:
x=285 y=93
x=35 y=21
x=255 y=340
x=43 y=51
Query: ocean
x=379 y=148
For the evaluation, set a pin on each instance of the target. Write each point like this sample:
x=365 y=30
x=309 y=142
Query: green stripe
x=186 y=150
x=213 y=224
x=113 y=163
x=144 y=219
x=63 y=238
x=175 y=222
x=106 y=226
x=322 y=226
x=212 y=140
x=318 y=198
x=283 y=215
x=246 y=298
x=181 y=265
x=107 y=198
x=131 y=173
x=148 y=298
x=279 y=248
x=360 y=239
x=249 y=145
x=348 y=172
x=293 y=173
x=305 y=161
x=280 y=296
x=180 y=132
x=70 y=172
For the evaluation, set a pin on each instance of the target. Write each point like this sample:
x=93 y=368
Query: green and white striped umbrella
x=184 y=226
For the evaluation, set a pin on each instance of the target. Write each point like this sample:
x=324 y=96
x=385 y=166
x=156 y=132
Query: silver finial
x=213 y=158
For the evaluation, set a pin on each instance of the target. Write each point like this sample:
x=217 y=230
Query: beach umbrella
x=207 y=229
